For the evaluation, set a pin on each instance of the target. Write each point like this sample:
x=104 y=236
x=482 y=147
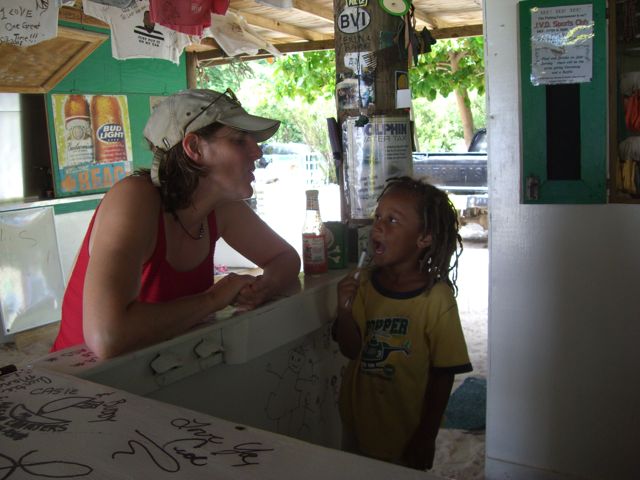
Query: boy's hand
x=347 y=288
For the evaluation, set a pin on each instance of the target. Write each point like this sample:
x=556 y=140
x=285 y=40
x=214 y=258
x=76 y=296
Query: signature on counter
x=194 y=448
x=41 y=468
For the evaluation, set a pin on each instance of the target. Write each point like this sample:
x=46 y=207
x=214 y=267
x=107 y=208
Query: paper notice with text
x=561 y=44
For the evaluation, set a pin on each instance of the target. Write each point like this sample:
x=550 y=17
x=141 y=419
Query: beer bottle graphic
x=77 y=124
x=108 y=131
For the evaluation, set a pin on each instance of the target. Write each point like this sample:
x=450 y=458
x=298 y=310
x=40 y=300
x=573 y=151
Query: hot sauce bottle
x=314 y=238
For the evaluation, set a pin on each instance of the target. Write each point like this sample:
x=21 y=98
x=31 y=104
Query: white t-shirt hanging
x=29 y=22
x=133 y=35
x=235 y=36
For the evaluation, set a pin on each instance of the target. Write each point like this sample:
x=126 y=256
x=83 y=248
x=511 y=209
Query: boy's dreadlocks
x=440 y=220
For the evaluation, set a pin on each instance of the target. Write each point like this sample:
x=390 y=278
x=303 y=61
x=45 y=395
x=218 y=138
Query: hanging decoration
x=399 y=8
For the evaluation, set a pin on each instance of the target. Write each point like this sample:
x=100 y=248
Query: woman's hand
x=254 y=294
x=226 y=290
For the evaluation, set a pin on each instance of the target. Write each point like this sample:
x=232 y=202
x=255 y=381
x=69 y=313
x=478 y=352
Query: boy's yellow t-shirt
x=404 y=336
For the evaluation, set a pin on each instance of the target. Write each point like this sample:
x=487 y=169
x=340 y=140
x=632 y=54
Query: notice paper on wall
x=562 y=44
x=374 y=152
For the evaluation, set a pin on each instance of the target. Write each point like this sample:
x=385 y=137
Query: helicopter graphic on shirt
x=375 y=352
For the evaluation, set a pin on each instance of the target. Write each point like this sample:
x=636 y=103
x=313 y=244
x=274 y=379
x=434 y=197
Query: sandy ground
x=460 y=454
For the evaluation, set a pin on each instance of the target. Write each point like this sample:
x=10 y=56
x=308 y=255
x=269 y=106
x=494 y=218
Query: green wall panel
x=590 y=186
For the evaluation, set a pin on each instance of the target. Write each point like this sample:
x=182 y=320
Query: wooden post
x=371 y=65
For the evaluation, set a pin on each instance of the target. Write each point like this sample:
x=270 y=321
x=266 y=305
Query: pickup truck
x=462 y=175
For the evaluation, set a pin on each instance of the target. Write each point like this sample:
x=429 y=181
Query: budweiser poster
x=93 y=141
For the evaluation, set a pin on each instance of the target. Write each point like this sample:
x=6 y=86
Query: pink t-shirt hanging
x=186 y=16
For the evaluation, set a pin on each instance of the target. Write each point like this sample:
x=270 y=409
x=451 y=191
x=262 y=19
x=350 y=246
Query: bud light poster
x=93 y=140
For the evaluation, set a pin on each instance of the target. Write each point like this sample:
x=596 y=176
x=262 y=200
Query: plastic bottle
x=314 y=238
x=109 y=140
x=77 y=124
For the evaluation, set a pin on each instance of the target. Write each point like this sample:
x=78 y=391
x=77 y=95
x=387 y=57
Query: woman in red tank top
x=144 y=272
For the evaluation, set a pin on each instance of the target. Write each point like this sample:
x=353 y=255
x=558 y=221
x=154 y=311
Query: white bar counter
x=252 y=395
x=225 y=337
x=54 y=425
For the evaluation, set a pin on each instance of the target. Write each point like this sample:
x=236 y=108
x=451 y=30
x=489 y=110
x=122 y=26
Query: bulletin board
x=31 y=279
x=563 y=84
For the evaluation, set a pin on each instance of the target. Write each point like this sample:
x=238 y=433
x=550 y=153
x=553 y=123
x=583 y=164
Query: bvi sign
x=353 y=20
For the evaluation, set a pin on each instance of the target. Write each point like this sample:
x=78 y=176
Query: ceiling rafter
x=311 y=8
x=281 y=27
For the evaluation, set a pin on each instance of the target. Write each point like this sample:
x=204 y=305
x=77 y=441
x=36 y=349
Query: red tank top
x=160 y=282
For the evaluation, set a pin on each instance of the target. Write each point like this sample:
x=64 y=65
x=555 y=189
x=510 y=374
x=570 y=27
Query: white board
x=31 y=281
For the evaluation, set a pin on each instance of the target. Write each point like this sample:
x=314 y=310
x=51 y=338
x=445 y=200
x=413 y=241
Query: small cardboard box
x=336 y=244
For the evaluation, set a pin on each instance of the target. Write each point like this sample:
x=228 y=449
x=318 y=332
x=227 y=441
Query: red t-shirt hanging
x=186 y=16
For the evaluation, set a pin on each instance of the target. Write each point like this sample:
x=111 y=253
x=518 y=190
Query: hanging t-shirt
x=134 y=35
x=632 y=111
x=235 y=36
x=116 y=3
x=188 y=16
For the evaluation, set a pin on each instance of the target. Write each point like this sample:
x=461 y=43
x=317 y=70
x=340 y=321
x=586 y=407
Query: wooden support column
x=371 y=65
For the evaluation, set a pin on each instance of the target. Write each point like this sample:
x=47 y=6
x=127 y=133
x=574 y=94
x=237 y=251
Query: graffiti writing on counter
x=35 y=465
x=194 y=446
x=37 y=409
x=19 y=419
x=80 y=357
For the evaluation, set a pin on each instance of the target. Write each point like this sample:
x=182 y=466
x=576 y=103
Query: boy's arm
x=421 y=448
x=345 y=330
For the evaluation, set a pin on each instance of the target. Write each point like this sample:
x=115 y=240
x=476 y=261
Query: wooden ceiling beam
x=425 y=18
x=278 y=26
x=306 y=6
x=218 y=54
x=76 y=15
x=457 y=32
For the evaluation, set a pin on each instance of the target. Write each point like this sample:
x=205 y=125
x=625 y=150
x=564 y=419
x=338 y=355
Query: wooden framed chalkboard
x=31 y=279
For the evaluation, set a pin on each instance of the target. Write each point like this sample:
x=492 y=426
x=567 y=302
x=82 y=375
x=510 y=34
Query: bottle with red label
x=314 y=238
x=108 y=130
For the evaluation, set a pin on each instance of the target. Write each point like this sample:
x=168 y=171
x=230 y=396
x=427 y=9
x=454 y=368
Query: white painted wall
x=564 y=315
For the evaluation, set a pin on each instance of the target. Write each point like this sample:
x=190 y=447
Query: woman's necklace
x=194 y=237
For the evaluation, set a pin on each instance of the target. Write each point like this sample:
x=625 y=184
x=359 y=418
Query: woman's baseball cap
x=191 y=110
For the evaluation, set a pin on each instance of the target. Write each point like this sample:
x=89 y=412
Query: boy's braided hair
x=440 y=220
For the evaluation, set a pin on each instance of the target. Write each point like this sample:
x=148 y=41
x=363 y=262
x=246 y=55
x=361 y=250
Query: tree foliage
x=434 y=74
x=309 y=75
x=299 y=89
x=225 y=76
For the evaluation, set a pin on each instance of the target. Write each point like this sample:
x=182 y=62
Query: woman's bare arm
x=247 y=233
x=123 y=238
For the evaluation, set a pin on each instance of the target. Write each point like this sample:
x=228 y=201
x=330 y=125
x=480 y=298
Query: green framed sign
x=563 y=86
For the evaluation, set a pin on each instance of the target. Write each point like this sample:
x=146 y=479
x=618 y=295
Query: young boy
x=398 y=324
